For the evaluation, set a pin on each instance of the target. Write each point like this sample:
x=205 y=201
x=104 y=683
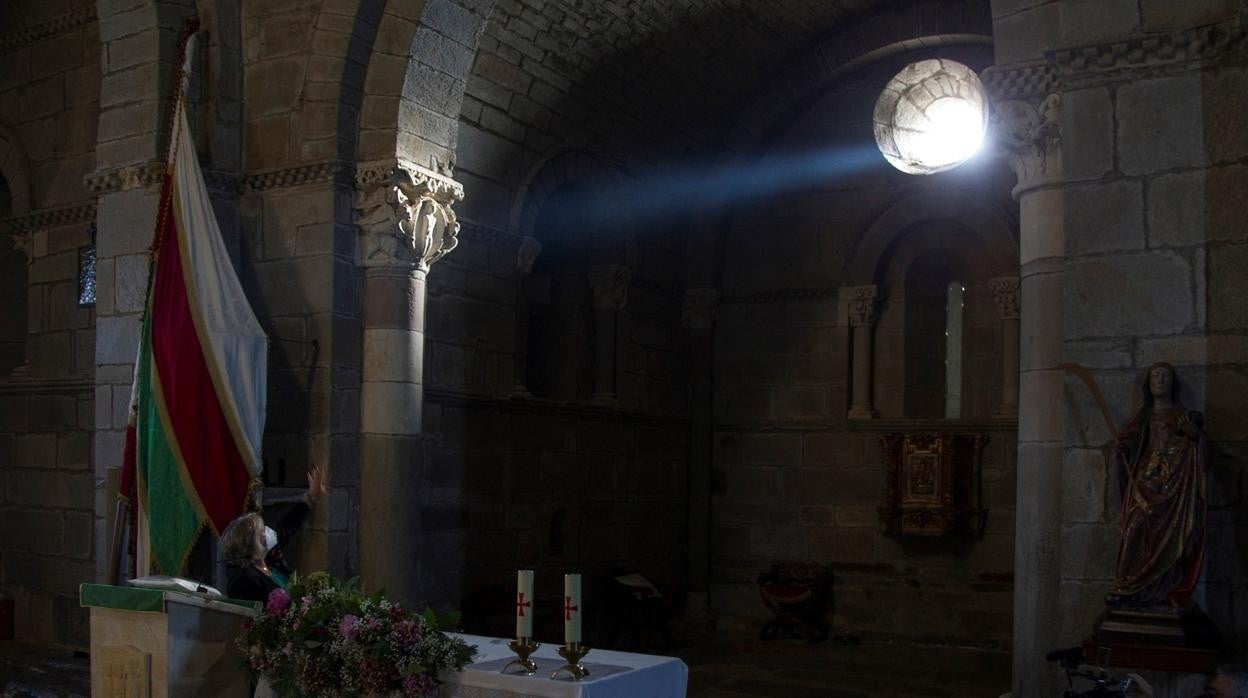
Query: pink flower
x=348 y=626
x=406 y=632
x=278 y=602
x=419 y=685
x=287 y=649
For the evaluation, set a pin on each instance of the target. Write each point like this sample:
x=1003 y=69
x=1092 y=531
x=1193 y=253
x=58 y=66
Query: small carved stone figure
x=1163 y=473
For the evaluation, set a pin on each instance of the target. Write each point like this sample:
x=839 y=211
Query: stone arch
x=990 y=223
x=13 y=170
x=416 y=72
x=571 y=204
x=840 y=55
x=557 y=167
x=969 y=241
x=916 y=26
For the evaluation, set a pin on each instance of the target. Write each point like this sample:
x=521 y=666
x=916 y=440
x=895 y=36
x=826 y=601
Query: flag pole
x=125 y=520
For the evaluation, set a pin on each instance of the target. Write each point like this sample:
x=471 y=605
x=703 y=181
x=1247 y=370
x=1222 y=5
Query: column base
x=520 y=390
x=860 y=412
x=604 y=399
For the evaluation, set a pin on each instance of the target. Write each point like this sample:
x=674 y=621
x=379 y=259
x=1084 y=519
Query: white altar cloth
x=611 y=675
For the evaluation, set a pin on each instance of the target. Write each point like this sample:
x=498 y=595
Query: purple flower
x=287 y=649
x=278 y=602
x=419 y=685
x=348 y=626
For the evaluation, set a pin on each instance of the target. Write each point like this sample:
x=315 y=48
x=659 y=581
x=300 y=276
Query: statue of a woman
x=1163 y=473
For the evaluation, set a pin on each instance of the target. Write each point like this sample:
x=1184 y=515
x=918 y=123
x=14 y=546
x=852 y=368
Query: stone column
x=861 y=307
x=701 y=308
x=1005 y=292
x=1028 y=133
x=406 y=221
x=610 y=288
x=530 y=248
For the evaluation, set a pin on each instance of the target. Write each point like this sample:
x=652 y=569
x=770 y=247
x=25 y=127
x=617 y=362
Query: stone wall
x=1160 y=281
x=792 y=477
x=49 y=98
x=1145 y=134
x=523 y=484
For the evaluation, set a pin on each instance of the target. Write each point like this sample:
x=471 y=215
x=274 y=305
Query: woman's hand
x=316 y=483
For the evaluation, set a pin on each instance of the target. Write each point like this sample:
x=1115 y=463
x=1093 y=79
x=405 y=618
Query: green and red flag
x=192 y=448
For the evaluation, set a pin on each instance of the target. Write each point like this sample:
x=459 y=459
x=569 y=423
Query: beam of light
x=711 y=188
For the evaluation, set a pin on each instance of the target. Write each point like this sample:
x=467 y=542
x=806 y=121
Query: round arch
x=989 y=223
x=415 y=75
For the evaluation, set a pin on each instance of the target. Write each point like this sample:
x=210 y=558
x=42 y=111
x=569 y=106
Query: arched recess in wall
x=932 y=256
x=14 y=202
x=572 y=206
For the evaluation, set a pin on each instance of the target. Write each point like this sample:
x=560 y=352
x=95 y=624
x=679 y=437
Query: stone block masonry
x=48 y=489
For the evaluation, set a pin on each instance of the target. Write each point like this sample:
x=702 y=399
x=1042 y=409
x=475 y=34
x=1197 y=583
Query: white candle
x=524 y=603
x=572 y=609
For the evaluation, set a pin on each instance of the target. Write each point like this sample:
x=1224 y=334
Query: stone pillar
x=1005 y=292
x=701 y=307
x=610 y=288
x=406 y=221
x=1028 y=133
x=530 y=248
x=861 y=307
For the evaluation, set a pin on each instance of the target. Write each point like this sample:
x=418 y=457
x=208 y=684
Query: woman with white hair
x=252 y=551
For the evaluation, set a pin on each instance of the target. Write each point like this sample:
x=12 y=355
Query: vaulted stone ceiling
x=683 y=67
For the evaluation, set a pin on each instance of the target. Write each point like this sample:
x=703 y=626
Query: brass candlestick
x=523 y=647
x=572 y=654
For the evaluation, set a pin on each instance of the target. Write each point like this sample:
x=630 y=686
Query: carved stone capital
x=1005 y=293
x=527 y=254
x=404 y=215
x=609 y=285
x=861 y=304
x=701 y=308
x=1027 y=132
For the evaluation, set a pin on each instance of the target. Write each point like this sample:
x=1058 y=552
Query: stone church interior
x=664 y=294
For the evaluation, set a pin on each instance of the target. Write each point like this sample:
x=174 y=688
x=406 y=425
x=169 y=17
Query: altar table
x=611 y=674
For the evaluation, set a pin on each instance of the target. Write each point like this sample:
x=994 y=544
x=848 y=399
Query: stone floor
x=27 y=671
x=724 y=667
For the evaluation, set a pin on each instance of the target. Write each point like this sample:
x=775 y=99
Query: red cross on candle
x=521 y=604
x=568 y=608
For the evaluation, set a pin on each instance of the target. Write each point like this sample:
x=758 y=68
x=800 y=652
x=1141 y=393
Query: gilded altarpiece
x=932 y=484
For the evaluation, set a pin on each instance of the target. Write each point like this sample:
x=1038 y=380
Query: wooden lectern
x=149 y=643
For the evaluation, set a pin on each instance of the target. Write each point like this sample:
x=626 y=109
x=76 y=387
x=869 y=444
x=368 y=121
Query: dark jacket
x=250 y=584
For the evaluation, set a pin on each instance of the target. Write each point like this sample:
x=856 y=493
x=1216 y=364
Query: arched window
x=933 y=335
x=953 y=349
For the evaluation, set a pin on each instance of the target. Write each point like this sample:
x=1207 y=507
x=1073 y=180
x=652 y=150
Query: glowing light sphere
x=931 y=117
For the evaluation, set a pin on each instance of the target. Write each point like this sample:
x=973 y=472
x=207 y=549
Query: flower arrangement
x=324 y=637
